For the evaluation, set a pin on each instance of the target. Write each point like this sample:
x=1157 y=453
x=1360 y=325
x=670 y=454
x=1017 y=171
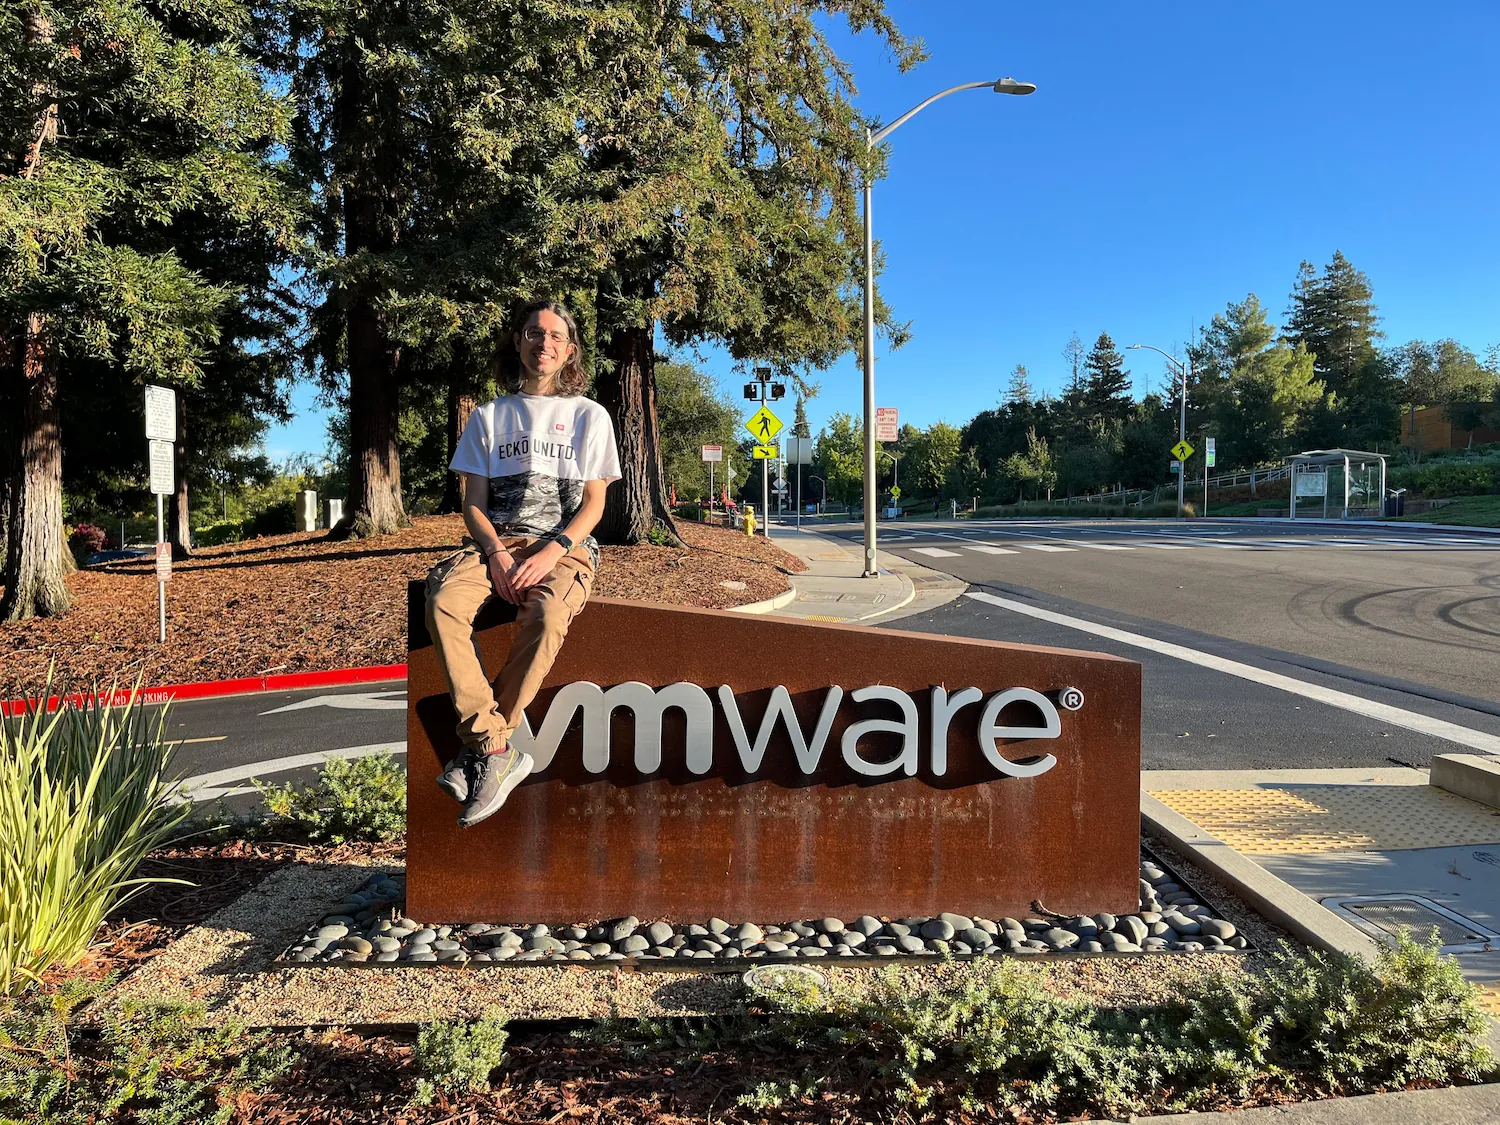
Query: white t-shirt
x=537 y=450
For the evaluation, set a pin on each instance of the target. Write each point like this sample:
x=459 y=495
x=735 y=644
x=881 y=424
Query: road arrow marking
x=357 y=701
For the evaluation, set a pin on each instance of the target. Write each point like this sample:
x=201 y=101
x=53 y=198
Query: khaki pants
x=456 y=589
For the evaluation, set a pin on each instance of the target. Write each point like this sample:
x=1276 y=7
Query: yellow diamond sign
x=763 y=425
x=766 y=452
x=1182 y=451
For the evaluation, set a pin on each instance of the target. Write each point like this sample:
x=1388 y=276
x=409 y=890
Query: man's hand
x=535 y=568
x=500 y=564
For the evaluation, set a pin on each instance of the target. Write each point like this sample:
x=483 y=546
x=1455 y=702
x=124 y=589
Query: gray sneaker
x=454 y=780
x=492 y=779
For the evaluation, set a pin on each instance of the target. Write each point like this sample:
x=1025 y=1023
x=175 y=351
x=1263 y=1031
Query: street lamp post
x=822 y=507
x=873 y=138
x=1183 y=370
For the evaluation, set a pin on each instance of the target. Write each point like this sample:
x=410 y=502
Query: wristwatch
x=565 y=543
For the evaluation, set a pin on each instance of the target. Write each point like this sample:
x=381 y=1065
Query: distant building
x=1427 y=427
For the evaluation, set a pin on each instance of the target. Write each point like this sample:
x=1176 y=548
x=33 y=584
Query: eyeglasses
x=536 y=335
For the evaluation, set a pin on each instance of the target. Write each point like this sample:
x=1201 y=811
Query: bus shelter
x=1356 y=475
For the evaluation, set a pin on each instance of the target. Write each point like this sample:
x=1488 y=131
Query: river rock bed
x=369 y=927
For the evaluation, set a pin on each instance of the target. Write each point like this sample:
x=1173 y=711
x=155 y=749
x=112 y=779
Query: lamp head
x=1011 y=86
x=1132 y=347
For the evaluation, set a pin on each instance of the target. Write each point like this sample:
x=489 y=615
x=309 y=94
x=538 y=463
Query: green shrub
x=1448 y=478
x=353 y=799
x=993 y=1036
x=219 y=532
x=457 y=1058
x=84 y=795
x=279 y=518
x=149 y=1066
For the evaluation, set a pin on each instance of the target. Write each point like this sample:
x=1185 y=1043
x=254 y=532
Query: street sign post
x=1208 y=463
x=763 y=427
x=886 y=427
x=712 y=453
x=799 y=452
x=1177 y=466
x=161 y=432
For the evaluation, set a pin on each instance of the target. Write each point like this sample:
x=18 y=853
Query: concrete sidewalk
x=833 y=588
x=1459 y=1105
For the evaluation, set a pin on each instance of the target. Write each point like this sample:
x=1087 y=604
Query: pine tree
x=1106 y=390
x=800 y=427
x=118 y=118
x=1019 y=392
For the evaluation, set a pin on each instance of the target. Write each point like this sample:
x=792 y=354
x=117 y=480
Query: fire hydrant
x=749 y=519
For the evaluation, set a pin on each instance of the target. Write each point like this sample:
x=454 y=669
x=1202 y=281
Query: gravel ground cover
x=368 y=928
x=303 y=603
x=230 y=964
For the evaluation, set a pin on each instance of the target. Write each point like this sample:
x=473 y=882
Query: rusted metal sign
x=695 y=763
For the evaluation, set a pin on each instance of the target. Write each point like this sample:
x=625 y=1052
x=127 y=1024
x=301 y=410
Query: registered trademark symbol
x=1070 y=698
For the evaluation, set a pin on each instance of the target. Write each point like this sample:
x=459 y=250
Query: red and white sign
x=886 y=426
x=713 y=453
x=163 y=561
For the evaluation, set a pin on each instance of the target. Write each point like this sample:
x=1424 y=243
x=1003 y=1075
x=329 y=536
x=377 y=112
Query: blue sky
x=1174 y=158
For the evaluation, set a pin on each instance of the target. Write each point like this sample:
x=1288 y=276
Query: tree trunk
x=37 y=561
x=179 y=523
x=461 y=404
x=637 y=502
x=374 y=502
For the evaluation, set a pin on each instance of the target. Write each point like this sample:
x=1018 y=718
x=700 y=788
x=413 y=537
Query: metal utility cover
x=1383 y=916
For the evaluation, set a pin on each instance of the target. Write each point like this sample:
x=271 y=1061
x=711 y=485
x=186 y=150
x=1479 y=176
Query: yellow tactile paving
x=1332 y=818
x=1489 y=996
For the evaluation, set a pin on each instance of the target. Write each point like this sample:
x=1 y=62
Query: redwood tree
x=117 y=118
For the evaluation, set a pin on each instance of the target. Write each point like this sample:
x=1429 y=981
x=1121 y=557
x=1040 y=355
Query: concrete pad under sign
x=1469 y=775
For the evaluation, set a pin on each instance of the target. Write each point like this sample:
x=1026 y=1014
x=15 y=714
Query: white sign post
x=161 y=432
x=886 y=428
x=1208 y=462
x=712 y=454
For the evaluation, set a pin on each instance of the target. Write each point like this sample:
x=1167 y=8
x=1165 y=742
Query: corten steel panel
x=574 y=846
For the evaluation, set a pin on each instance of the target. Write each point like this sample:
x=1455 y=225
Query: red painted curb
x=210 y=689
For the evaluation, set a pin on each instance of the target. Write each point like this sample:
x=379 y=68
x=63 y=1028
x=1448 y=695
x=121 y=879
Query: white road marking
x=1168 y=546
x=935 y=552
x=357 y=701
x=1042 y=547
x=207 y=786
x=1382 y=712
x=985 y=549
x=1102 y=546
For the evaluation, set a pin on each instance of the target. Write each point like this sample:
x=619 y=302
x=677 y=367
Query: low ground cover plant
x=353 y=799
x=996 y=1043
x=85 y=794
x=457 y=1057
x=149 y=1064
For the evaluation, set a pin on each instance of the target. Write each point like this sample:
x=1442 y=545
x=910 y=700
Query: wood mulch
x=304 y=603
x=215 y=876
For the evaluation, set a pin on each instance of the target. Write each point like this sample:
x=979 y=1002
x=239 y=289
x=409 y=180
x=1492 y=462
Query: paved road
x=1386 y=618
x=1399 y=619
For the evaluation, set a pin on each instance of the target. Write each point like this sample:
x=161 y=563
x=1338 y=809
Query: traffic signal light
x=778 y=390
x=752 y=392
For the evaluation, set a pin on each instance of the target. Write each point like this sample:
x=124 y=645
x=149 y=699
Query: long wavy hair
x=572 y=379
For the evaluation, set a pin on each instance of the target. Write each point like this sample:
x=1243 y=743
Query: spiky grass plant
x=84 y=795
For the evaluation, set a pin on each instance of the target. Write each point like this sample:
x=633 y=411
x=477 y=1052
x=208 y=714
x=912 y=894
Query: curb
x=909 y=597
x=1456 y=528
x=210 y=689
x=1447 y=1105
x=770 y=605
x=1276 y=900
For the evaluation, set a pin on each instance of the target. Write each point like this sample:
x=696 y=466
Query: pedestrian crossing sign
x=766 y=452
x=895 y=493
x=1182 y=451
x=763 y=425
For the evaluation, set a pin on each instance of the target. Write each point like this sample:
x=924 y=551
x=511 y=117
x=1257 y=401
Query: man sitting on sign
x=535 y=465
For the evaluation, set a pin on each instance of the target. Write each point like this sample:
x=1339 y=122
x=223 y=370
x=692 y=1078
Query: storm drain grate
x=1383 y=916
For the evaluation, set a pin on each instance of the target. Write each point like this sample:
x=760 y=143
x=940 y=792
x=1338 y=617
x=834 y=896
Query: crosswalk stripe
x=1103 y=546
x=935 y=552
x=984 y=549
x=1042 y=547
x=1169 y=546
